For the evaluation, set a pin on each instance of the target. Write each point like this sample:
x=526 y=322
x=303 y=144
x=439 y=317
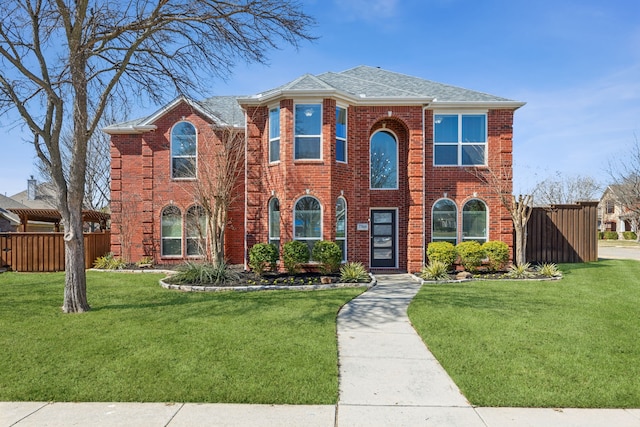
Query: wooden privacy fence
x=563 y=233
x=45 y=251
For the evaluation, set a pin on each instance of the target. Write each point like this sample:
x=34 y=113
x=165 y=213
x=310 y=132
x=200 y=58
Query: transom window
x=171 y=230
x=384 y=161
x=274 y=223
x=274 y=135
x=307 y=221
x=444 y=222
x=183 y=151
x=308 y=132
x=459 y=139
x=341 y=226
x=474 y=221
x=341 y=134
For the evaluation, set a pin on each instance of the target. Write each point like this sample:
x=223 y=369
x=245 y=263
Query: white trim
x=457 y=214
x=460 y=143
x=486 y=220
x=346 y=219
x=171 y=156
x=346 y=135
x=279 y=138
x=295 y=135
x=392 y=133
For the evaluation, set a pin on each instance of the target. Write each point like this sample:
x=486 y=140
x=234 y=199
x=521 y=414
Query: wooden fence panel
x=44 y=252
x=563 y=233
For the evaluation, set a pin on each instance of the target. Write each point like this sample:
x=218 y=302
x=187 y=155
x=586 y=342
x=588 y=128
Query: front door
x=383 y=238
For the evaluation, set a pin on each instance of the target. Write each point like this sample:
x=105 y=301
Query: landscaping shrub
x=263 y=256
x=519 y=271
x=354 y=272
x=436 y=270
x=109 y=262
x=548 y=270
x=444 y=252
x=202 y=273
x=294 y=253
x=471 y=255
x=629 y=235
x=498 y=254
x=328 y=255
x=611 y=235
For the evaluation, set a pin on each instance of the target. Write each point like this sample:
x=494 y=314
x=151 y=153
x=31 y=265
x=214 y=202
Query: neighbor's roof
x=52 y=215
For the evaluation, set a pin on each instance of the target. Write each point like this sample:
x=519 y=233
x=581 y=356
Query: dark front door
x=383 y=238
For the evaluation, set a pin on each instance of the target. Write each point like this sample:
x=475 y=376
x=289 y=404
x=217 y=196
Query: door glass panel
x=382 y=242
x=382 y=229
x=382 y=254
x=382 y=217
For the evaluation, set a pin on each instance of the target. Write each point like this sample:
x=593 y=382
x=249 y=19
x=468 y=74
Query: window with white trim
x=307 y=217
x=384 y=161
x=459 y=139
x=274 y=135
x=474 y=221
x=308 y=132
x=341 y=134
x=341 y=226
x=444 y=221
x=195 y=231
x=183 y=151
x=274 y=223
x=171 y=232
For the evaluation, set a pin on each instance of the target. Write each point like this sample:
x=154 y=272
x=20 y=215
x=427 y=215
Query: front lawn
x=144 y=343
x=574 y=342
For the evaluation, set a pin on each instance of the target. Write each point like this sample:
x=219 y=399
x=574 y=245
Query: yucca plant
x=198 y=273
x=435 y=270
x=354 y=272
x=522 y=271
x=109 y=262
x=549 y=270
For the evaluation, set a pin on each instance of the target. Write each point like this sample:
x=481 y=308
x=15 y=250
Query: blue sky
x=576 y=63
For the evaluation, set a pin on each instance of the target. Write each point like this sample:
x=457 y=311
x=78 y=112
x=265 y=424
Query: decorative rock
x=464 y=275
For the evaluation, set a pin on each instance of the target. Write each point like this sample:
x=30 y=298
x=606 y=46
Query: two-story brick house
x=375 y=160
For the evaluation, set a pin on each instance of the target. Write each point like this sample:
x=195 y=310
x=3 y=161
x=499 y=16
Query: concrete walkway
x=387 y=378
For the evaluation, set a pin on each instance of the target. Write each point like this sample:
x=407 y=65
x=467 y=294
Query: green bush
x=354 y=272
x=294 y=253
x=202 y=273
x=471 y=255
x=444 y=252
x=436 y=270
x=328 y=255
x=109 y=262
x=498 y=254
x=610 y=235
x=629 y=235
x=263 y=256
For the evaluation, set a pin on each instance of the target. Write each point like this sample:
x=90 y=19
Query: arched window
x=307 y=221
x=183 y=151
x=341 y=226
x=274 y=222
x=384 y=161
x=445 y=221
x=196 y=231
x=474 y=221
x=171 y=232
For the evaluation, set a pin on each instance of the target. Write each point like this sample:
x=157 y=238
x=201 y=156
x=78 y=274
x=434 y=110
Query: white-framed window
x=474 y=221
x=274 y=222
x=341 y=134
x=171 y=232
x=308 y=132
x=383 y=161
x=183 y=151
x=274 y=135
x=460 y=139
x=341 y=226
x=444 y=221
x=307 y=221
x=195 y=231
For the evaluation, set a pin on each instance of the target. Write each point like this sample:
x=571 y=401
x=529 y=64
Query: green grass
x=568 y=343
x=144 y=343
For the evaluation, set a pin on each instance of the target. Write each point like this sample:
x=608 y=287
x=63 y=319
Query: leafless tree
x=63 y=63
x=625 y=177
x=562 y=189
x=519 y=207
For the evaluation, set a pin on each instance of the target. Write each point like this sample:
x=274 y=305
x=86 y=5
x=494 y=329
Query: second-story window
x=341 y=134
x=274 y=135
x=459 y=139
x=308 y=132
x=183 y=151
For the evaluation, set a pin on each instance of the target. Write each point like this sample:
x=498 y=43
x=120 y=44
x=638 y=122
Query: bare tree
x=625 y=176
x=519 y=207
x=63 y=63
x=561 y=189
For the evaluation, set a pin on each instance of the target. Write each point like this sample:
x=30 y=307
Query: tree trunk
x=75 y=287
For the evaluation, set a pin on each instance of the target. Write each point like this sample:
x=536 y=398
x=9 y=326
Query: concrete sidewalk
x=387 y=378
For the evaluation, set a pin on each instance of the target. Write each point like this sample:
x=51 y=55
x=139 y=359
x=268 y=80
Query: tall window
x=308 y=131
x=384 y=161
x=274 y=135
x=171 y=232
x=307 y=221
x=183 y=151
x=341 y=134
x=274 y=222
x=474 y=221
x=341 y=226
x=196 y=231
x=444 y=221
x=460 y=139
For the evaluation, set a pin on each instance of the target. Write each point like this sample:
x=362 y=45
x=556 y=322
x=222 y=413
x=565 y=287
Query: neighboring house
x=612 y=214
x=37 y=196
x=380 y=162
x=9 y=222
